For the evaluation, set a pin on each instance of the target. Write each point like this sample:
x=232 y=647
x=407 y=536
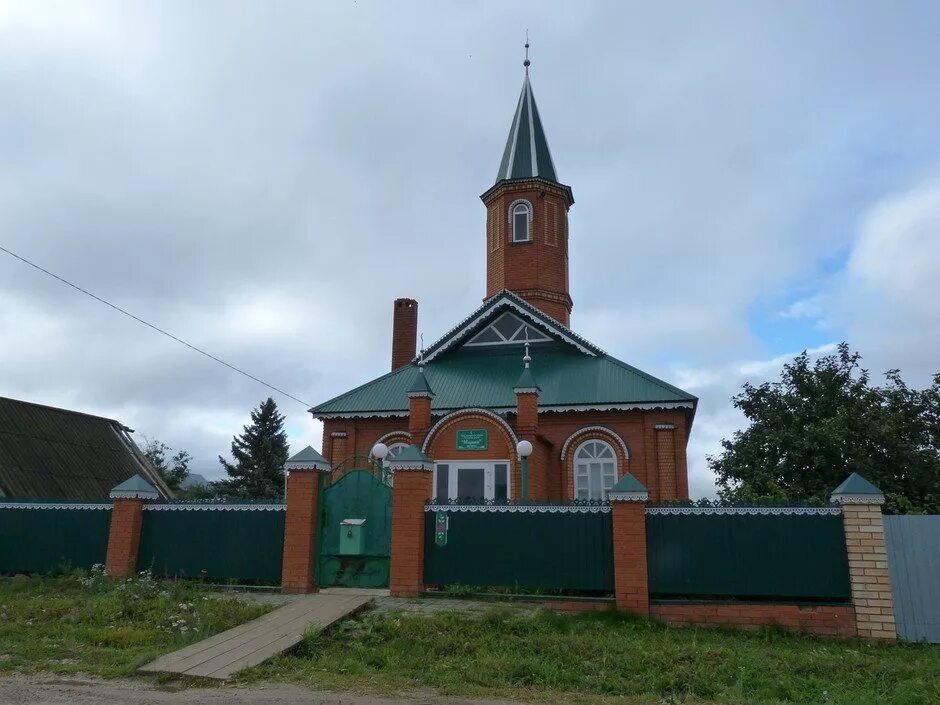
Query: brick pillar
x=124 y=538
x=411 y=491
x=419 y=418
x=305 y=471
x=127 y=518
x=337 y=447
x=628 y=508
x=863 y=524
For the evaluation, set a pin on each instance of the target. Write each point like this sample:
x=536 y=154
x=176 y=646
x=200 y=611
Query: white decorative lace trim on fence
x=520 y=508
x=752 y=511
x=52 y=505
x=215 y=507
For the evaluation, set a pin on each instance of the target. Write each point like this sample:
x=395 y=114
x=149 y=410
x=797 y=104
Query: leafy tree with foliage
x=824 y=420
x=260 y=452
x=174 y=470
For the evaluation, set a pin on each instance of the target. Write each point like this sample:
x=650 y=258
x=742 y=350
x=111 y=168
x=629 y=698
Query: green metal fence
x=44 y=537
x=561 y=547
x=223 y=541
x=725 y=554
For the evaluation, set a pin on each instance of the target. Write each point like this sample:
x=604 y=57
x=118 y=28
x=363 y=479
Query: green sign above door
x=473 y=439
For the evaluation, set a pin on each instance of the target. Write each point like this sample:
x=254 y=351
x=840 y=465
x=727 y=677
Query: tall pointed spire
x=526 y=155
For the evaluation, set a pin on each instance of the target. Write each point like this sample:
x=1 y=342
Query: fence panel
x=562 y=548
x=40 y=538
x=224 y=541
x=747 y=555
x=913 y=545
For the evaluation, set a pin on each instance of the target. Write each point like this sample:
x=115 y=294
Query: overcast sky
x=263 y=179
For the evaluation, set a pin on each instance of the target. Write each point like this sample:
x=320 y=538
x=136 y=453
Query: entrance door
x=355 y=531
x=471 y=480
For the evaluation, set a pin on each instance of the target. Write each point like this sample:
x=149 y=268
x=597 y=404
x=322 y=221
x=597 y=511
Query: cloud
x=263 y=180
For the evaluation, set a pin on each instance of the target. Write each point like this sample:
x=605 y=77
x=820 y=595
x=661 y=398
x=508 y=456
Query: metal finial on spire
x=421 y=352
x=526 y=358
x=526 y=62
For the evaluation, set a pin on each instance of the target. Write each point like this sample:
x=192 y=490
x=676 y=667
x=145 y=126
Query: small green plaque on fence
x=473 y=439
x=441 y=524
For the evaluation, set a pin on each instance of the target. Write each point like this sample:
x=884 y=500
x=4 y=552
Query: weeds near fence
x=602 y=657
x=85 y=622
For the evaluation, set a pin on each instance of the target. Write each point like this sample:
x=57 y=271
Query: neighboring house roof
x=46 y=452
x=572 y=373
x=526 y=155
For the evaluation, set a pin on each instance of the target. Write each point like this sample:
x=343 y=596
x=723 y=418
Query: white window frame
x=512 y=220
x=579 y=464
x=489 y=477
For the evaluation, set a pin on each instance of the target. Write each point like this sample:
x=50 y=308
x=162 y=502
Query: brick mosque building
x=515 y=370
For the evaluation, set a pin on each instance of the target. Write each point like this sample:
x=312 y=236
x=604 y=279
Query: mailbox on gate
x=351 y=540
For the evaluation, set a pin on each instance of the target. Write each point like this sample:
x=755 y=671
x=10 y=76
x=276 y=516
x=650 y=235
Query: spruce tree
x=260 y=452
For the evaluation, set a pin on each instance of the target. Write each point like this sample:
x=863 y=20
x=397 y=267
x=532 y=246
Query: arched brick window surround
x=588 y=433
x=529 y=219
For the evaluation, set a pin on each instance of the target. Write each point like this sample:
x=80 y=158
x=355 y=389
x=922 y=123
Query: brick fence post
x=305 y=471
x=127 y=517
x=411 y=491
x=863 y=524
x=628 y=508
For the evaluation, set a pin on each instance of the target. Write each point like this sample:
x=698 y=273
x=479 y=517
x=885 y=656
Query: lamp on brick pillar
x=410 y=492
x=868 y=560
x=628 y=508
x=419 y=406
x=527 y=418
x=126 y=523
x=304 y=476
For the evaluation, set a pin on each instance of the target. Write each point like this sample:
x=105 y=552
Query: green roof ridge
x=628 y=483
x=856 y=484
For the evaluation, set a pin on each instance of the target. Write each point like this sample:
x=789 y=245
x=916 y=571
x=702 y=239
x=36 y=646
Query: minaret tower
x=527 y=216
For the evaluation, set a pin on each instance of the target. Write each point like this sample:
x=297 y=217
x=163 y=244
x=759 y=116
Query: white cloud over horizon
x=263 y=180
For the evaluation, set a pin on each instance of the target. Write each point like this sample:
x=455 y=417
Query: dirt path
x=52 y=690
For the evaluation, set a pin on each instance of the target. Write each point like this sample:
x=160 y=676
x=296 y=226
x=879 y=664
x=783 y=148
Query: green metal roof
x=526 y=380
x=628 y=483
x=526 y=155
x=307 y=455
x=855 y=484
x=419 y=383
x=485 y=377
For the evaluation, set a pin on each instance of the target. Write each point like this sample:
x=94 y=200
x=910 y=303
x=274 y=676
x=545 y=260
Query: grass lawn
x=87 y=624
x=601 y=657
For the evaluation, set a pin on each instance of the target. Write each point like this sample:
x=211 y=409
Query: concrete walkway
x=252 y=643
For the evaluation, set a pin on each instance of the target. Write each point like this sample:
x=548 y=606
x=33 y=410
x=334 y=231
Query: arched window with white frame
x=595 y=470
x=520 y=220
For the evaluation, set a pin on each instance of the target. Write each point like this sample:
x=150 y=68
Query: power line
x=152 y=326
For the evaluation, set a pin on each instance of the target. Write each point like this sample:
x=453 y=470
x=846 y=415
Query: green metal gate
x=355 y=531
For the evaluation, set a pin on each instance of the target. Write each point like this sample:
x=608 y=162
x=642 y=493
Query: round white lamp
x=380 y=451
x=524 y=449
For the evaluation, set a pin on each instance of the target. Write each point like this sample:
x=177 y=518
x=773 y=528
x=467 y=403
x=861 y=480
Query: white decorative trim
x=528 y=220
x=526 y=390
x=628 y=496
x=594 y=429
x=521 y=508
x=484 y=412
x=215 y=507
x=393 y=434
x=417 y=395
x=134 y=494
x=338 y=434
x=302 y=466
x=52 y=505
x=455 y=334
x=665 y=427
x=403 y=413
x=875 y=499
x=749 y=511
x=407 y=466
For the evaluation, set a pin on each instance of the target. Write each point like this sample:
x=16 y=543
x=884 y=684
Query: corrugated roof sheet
x=47 y=452
x=484 y=377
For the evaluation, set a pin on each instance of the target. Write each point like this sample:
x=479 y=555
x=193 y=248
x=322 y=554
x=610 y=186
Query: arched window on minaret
x=520 y=219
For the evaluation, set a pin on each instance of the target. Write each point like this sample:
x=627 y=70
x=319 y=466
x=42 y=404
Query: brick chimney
x=404 y=332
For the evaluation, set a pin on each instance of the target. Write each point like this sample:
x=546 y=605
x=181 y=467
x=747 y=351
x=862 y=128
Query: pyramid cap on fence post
x=410 y=458
x=857 y=490
x=307 y=459
x=134 y=487
x=628 y=489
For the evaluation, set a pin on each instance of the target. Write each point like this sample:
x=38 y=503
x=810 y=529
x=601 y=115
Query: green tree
x=260 y=452
x=824 y=420
x=174 y=470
